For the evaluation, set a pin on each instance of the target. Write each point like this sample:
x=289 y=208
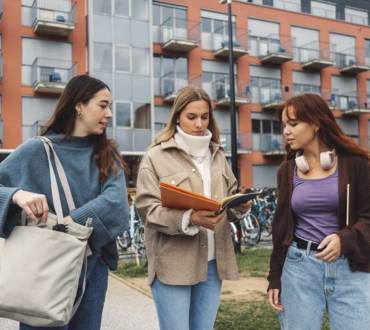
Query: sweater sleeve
x=355 y=239
x=14 y=173
x=108 y=211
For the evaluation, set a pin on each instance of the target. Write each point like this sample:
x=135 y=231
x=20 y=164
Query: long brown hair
x=185 y=96
x=81 y=89
x=312 y=109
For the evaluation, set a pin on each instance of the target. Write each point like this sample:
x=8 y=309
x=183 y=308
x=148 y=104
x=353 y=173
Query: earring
x=79 y=114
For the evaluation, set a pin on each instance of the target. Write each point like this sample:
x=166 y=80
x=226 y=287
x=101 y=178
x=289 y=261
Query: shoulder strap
x=63 y=179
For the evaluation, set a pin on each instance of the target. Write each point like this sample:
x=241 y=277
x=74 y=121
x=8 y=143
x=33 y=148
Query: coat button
x=193 y=170
x=173 y=182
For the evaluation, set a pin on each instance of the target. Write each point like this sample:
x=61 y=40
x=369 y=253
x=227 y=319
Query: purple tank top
x=315 y=204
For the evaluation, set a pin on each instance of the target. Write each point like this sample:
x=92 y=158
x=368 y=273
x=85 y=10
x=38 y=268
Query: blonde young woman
x=189 y=252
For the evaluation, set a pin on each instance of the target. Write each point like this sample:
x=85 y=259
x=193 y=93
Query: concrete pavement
x=125 y=309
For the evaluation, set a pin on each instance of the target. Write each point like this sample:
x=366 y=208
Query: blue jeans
x=310 y=285
x=89 y=313
x=188 y=307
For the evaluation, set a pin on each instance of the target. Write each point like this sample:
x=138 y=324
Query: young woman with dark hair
x=321 y=230
x=94 y=170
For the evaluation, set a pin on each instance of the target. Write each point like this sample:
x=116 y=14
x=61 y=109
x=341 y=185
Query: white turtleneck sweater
x=197 y=147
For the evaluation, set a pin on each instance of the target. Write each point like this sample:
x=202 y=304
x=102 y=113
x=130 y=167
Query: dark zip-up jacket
x=355 y=237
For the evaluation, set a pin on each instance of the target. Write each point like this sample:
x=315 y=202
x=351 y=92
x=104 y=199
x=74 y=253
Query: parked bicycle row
x=246 y=230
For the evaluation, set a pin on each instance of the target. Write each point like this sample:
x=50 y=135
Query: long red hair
x=312 y=109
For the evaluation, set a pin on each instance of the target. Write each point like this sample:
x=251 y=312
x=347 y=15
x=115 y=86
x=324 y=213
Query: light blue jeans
x=188 y=307
x=89 y=313
x=310 y=285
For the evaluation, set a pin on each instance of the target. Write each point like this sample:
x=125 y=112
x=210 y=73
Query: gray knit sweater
x=106 y=203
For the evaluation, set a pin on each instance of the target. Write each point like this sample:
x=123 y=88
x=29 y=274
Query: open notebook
x=177 y=198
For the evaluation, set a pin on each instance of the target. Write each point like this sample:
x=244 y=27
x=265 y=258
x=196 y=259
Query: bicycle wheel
x=124 y=241
x=251 y=229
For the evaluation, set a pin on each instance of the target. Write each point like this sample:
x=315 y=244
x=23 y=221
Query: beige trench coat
x=176 y=258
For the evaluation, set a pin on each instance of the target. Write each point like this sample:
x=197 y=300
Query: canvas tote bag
x=40 y=267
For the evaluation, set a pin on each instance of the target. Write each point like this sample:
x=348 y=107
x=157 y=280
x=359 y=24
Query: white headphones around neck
x=327 y=161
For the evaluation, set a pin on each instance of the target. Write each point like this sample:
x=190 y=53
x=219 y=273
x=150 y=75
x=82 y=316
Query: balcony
x=351 y=61
x=313 y=56
x=53 y=17
x=171 y=83
x=220 y=43
x=179 y=35
x=50 y=75
x=349 y=103
x=269 y=93
x=271 y=144
x=243 y=142
x=221 y=93
x=271 y=50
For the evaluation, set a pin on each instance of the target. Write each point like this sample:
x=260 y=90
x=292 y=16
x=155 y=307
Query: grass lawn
x=234 y=314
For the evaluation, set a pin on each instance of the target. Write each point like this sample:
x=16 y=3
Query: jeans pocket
x=294 y=254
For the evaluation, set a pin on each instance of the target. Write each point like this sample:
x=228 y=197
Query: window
x=102 y=7
x=215 y=33
x=323 y=9
x=256 y=126
x=140 y=61
x=142 y=115
x=358 y=16
x=265 y=90
x=123 y=114
x=103 y=56
x=122 y=58
x=294 y=5
x=168 y=21
x=121 y=7
x=140 y=9
x=170 y=74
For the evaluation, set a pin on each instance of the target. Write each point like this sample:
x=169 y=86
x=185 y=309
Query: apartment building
x=146 y=50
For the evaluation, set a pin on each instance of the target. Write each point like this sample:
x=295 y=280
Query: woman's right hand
x=274 y=299
x=207 y=219
x=35 y=205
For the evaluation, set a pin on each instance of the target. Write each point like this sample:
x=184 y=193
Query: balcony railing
x=351 y=61
x=132 y=139
x=243 y=142
x=171 y=83
x=221 y=92
x=220 y=42
x=50 y=75
x=305 y=88
x=53 y=17
x=269 y=144
x=356 y=19
x=313 y=55
x=349 y=103
x=271 y=49
x=287 y=5
x=270 y=94
x=179 y=35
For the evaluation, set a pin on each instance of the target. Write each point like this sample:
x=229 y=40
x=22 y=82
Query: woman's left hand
x=331 y=248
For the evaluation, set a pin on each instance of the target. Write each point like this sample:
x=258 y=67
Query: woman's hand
x=331 y=248
x=274 y=299
x=207 y=219
x=35 y=205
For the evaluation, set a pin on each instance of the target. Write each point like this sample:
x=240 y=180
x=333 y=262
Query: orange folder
x=177 y=198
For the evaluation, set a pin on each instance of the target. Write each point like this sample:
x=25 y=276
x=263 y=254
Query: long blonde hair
x=185 y=96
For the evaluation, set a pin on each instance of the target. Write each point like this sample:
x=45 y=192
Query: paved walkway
x=125 y=309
